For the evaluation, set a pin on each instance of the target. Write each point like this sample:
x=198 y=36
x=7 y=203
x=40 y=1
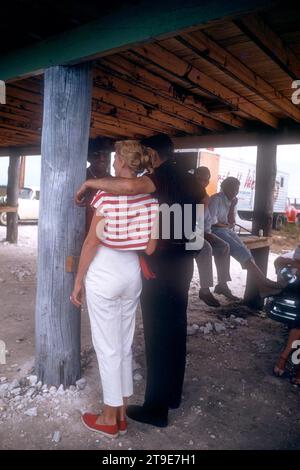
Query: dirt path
x=231 y=400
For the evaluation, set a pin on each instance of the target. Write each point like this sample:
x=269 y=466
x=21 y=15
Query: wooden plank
x=264 y=187
x=98 y=108
x=237 y=139
x=145 y=96
x=223 y=60
x=136 y=74
x=254 y=242
x=190 y=95
x=13 y=196
x=181 y=68
x=8 y=209
x=126 y=126
x=22 y=150
x=270 y=43
x=116 y=31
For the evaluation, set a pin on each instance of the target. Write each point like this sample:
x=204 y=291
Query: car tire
x=3 y=218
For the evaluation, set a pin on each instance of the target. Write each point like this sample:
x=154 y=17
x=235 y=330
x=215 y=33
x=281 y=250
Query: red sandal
x=122 y=427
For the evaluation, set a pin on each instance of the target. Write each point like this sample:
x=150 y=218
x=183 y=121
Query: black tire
x=3 y=218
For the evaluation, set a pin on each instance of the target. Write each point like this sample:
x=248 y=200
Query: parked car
x=28 y=208
x=285 y=307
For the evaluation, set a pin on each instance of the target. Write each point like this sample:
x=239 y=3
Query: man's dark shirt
x=177 y=187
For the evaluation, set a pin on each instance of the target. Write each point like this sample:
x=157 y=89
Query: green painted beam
x=121 y=29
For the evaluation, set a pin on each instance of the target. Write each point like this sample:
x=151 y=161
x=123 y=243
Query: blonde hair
x=137 y=156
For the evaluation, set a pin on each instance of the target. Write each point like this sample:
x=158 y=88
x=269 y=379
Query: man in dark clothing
x=164 y=298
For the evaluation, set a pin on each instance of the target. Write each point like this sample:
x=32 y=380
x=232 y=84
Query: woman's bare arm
x=116 y=185
x=87 y=255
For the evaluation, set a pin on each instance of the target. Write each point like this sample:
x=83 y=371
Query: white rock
x=16 y=391
x=2 y=405
x=60 y=389
x=72 y=388
x=3 y=390
x=241 y=321
x=32 y=379
x=52 y=390
x=56 y=437
x=219 y=327
x=14 y=384
x=81 y=383
x=30 y=392
x=31 y=412
x=3 y=379
x=190 y=331
x=137 y=377
x=195 y=326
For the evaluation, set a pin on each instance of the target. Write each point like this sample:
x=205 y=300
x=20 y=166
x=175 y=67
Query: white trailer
x=245 y=173
x=222 y=166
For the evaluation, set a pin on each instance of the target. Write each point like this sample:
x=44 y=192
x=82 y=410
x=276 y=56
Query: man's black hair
x=162 y=144
x=100 y=144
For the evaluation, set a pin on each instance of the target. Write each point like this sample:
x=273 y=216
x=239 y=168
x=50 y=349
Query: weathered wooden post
x=264 y=187
x=65 y=134
x=263 y=211
x=13 y=196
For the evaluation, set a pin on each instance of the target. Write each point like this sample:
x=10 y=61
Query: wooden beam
x=116 y=31
x=270 y=43
x=223 y=60
x=65 y=136
x=144 y=96
x=130 y=70
x=124 y=127
x=237 y=139
x=187 y=98
x=12 y=197
x=100 y=108
x=180 y=68
x=266 y=170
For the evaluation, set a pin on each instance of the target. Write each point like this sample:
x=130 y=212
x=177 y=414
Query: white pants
x=113 y=286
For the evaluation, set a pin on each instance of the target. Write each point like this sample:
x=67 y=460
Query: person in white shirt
x=213 y=246
x=222 y=207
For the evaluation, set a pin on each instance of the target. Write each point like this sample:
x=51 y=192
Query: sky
x=288 y=160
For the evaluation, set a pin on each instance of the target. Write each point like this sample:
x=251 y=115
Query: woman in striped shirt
x=109 y=262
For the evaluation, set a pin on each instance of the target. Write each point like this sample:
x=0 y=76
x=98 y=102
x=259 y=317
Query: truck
x=222 y=166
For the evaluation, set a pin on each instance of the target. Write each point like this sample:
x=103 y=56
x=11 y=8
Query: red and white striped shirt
x=128 y=220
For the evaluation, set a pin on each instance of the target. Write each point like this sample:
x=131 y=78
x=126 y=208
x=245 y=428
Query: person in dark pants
x=164 y=298
x=164 y=304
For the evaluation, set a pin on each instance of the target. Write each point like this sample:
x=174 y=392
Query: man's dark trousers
x=164 y=303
